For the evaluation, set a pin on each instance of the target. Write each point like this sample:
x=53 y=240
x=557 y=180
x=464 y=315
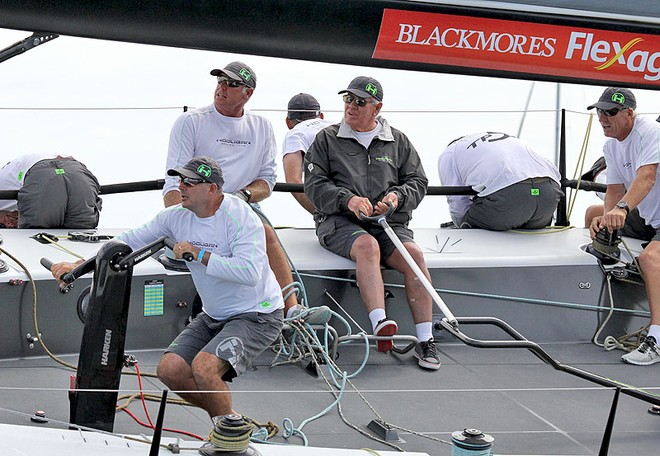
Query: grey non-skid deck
x=529 y=408
x=545 y=286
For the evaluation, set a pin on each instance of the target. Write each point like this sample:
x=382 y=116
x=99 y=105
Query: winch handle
x=169 y=243
x=72 y=275
x=376 y=218
x=46 y=263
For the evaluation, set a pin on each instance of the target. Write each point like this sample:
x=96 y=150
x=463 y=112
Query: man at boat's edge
x=633 y=182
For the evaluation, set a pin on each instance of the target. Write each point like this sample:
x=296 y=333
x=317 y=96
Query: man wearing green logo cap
x=242 y=312
x=363 y=165
x=632 y=155
x=244 y=145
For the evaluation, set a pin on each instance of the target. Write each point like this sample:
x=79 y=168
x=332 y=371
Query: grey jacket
x=338 y=167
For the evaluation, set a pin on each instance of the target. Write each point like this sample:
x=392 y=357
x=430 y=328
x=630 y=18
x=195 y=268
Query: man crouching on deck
x=242 y=302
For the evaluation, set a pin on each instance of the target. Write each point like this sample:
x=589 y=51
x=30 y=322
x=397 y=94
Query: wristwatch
x=623 y=205
x=247 y=194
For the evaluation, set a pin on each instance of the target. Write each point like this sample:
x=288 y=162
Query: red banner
x=521 y=47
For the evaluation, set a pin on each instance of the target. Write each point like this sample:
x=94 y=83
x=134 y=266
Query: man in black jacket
x=364 y=165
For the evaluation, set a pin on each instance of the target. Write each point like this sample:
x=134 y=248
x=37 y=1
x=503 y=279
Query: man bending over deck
x=632 y=156
x=242 y=303
x=54 y=191
x=362 y=165
x=517 y=187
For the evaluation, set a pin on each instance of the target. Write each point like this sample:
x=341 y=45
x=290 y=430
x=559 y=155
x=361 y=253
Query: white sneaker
x=646 y=354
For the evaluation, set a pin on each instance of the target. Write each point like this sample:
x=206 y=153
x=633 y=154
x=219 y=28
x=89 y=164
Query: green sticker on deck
x=535 y=192
x=153 y=297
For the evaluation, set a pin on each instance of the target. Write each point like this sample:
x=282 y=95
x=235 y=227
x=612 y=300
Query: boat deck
x=545 y=286
x=529 y=408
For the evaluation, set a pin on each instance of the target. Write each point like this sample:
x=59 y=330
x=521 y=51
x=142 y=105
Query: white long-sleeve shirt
x=237 y=278
x=244 y=147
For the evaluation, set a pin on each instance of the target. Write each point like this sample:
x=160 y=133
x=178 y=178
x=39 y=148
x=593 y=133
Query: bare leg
x=204 y=375
x=419 y=300
x=366 y=253
x=649 y=261
x=592 y=211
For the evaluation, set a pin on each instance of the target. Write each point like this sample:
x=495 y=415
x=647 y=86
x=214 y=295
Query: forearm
x=260 y=190
x=171 y=198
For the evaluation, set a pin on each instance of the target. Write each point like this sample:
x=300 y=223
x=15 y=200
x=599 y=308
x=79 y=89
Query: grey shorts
x=237 y=340
x=637 y=228
x=529 y=204
x=337 y=233
x=59 y=193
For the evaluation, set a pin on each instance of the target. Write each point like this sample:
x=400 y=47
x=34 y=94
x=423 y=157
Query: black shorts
x=337 y=233
x=637 y=228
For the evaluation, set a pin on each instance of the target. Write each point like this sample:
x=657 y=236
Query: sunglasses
x=230 y=82
x=361 y=102
x=609 y=112
x=191 y=181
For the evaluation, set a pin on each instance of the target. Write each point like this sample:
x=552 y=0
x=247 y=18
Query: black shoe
x=427 y=356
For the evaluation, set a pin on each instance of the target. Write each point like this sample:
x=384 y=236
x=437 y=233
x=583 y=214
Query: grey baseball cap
x=615 y=97
x=238 y=71
x=302 y=107
x=204 y=168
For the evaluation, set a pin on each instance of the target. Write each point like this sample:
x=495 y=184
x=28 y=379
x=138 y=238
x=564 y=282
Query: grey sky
x=130 y=145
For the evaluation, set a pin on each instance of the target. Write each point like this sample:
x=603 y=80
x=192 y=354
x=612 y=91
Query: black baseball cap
x=238 y=71
x=365 y=87
x=615 y=97
x=302 y=107
x=204 y=168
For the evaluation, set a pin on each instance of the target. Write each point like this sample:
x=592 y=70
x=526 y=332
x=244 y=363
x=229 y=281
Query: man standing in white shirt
x=304 y=120
x=244 y=145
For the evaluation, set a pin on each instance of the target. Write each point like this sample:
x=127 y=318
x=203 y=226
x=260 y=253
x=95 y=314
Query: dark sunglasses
x=230 y=82
x=609 y=112
x=191 y=181
x=350 y=98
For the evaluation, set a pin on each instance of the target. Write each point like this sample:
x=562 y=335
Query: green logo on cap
x=245 y=74
x=372 y=89
x=617 y=97
x=205 y=170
